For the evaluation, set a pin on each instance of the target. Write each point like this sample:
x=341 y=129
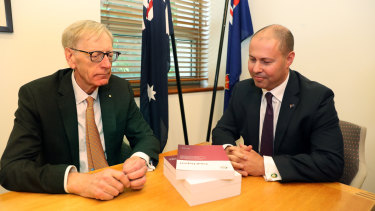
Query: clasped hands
x=245 y=160
x=107 y=184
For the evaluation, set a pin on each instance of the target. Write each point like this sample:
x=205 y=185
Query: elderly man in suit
x=289 y=124
x=74 y=121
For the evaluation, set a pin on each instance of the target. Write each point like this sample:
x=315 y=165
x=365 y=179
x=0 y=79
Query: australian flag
x=240 y=27
x=156 y=28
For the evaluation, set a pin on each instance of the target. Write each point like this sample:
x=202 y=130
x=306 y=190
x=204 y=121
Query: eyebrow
x=263 y=58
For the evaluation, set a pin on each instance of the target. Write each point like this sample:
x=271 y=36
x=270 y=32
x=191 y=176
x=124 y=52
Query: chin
x=259 y=84
x=102 y=82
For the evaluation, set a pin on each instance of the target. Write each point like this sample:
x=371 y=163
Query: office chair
x=354 y=154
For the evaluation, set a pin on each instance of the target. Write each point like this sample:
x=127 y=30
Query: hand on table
x=135 y=168
x=103 y=185
x=245 y=160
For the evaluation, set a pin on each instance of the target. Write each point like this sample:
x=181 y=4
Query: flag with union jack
x=240 y=27
x=156 y=28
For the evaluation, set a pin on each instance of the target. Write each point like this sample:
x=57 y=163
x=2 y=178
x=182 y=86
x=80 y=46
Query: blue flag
x=240 y=28
x=156 y=28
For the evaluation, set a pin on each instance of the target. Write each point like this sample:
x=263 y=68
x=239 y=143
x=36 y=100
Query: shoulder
x=49 y=82
x=309 y=87
x=245 y=87
x=118 y=82
x=118 y=86
x=247 y=83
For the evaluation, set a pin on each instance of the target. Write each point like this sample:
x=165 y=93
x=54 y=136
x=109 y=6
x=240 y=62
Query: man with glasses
x=74 y=121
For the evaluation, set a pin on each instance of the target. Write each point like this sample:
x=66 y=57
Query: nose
x=105 y=62
x=255 y=67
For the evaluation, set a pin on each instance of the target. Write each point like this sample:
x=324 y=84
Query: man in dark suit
x=290 y=134
x=48 y=151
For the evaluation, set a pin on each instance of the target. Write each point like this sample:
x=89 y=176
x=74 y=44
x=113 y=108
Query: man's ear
x=70 y=58
x=290 y=58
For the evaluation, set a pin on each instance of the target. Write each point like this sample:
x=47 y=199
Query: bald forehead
x=279 y=33
x=266 y=40
x=265 y=35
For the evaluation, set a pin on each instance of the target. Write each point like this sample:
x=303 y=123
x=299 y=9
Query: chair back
x=354 y=154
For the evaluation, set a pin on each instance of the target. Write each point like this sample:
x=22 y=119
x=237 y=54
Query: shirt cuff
x=270 y=169
x=227 y=145
x=150 y=166
x=70 y=168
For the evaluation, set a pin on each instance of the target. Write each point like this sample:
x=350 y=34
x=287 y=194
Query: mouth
x=258 y=78
x=103 y=76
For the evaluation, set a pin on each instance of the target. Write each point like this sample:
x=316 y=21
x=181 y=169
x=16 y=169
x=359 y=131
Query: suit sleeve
x=226 y=130
x=22 y=165
x=324 y=160
x=139 y=133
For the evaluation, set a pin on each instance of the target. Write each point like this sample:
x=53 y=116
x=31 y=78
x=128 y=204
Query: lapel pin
x=291 y=106
x=109 y=95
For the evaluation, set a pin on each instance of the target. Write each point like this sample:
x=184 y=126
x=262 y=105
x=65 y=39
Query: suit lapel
x=108 y=117
x=253 y=116
x=68 y=110
x=288 y=106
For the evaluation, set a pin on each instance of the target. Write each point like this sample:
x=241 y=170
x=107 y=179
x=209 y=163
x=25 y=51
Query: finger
x=102 y=195
x=246 y=148
x=102 y=190
x=229 y=149
x=243 y=173
x=239 y=154
x=109 y=181
x=133 y=164
x=137 y=174
x=138 y=183
x=237 y=165
x=111 y=190
x=234 y=158
x=123 y=179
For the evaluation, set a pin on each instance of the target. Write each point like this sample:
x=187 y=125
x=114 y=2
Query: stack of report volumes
x=202 y=181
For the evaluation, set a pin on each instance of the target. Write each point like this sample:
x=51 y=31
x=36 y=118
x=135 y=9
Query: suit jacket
x=44 y=139
x=308 y=144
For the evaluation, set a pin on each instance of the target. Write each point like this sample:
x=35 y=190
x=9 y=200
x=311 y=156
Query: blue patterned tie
x=267 y=132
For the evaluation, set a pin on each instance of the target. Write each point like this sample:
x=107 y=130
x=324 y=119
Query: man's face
x=90 y=75
x=267 y=65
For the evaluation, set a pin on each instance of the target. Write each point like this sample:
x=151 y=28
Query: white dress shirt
x=271 y=171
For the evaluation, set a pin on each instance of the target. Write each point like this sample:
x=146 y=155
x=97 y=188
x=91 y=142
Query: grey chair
x=354 y=154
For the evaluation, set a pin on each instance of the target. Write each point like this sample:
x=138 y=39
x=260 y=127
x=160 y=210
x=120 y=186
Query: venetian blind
x=190 y=20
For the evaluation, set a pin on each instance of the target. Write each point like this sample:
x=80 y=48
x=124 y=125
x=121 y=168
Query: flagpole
x=217 y=70
x=179 y=88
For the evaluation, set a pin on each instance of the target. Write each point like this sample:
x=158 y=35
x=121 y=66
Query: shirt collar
x=278 y=92
x=79 y=94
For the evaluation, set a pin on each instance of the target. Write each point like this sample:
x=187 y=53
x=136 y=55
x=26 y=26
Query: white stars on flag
x=151 y=93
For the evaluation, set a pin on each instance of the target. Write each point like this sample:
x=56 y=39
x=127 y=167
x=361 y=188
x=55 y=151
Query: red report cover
x=203 y=161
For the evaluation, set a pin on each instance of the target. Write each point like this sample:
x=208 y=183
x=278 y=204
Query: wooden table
x=158 y=193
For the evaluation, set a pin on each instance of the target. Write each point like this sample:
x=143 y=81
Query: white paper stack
x=201 y=190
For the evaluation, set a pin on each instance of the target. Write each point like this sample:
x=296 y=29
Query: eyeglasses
x=97 y=56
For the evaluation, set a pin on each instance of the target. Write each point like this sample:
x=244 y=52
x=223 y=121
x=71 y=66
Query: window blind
x=190 y=20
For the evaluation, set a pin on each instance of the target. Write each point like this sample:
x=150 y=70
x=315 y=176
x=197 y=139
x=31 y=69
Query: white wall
x=333 y=46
